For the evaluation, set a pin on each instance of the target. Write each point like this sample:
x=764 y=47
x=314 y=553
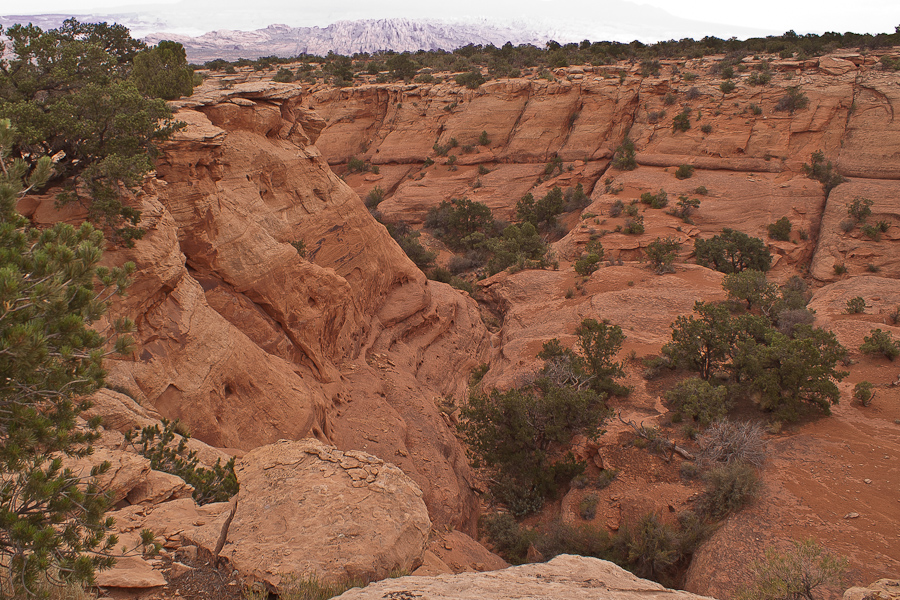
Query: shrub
x=472 y=80
x=684 y=172
x=513 y=432
x=661 y=253
x=733 y=251
x=357 y=165
x=624 y=157
x=454 y=221
x=616 y=209
x=688 y=76
x=682 y=121
x=669 y=99
x=780 y=230
x=761 y=78
x=283 y=76
x=881 y=342
x=483 y=170
x=483 y=139
x=508 y=538
x=872 y=232
x=727 y=86
x=728 y=489
x=300 y=247
x=839 y=269
x=588 y=263
x=706 y=128
x=755 y=109
x=218 y=484
x=685 y=206
x=726 y=442
x=698 y=400
x=789 y=319
x=648 y=548
x=587 y=507
x=795 y=574
x=658 y=200
x=856 y=305
x=542 y=212
x=862 y=391
x=163 y=71
x=606 y=477
x=634 y=225
x=793 y=100
x=374 y=197
x=823 y=172
x=408 y=240
x=859 y=209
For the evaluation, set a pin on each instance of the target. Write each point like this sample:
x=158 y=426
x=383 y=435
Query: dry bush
x=726 y=442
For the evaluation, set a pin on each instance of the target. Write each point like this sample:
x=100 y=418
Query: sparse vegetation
x=881 y=342
x=823 y=172
x=733 y=251
x=856 y=305
x=797 y=573
x=862 y=391
x=793 y=100
x=780 y=230
x=661 y=253
x=624 y=157
x=684 y=172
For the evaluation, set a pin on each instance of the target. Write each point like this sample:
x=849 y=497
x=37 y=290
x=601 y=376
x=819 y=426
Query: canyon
x=254 y=344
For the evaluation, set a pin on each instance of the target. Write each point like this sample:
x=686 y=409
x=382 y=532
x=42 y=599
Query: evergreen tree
x=51 y=519
x=163 y=71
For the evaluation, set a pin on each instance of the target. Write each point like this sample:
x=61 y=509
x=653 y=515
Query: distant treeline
x=509 y=60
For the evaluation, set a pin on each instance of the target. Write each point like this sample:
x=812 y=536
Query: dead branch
x=660 y=442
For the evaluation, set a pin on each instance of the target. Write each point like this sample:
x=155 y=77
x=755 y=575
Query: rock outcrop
x=883 y=589
x=563 y=578
x=307 y=508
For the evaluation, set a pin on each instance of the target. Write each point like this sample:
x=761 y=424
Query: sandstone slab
x=308 y=508
x=563 y=578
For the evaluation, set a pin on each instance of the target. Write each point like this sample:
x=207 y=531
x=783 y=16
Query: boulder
x=308 y=508
x=883 y=589
x=132 y=572
x=563 y=578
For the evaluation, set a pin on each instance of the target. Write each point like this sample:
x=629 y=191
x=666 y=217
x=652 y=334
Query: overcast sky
x=771 y=16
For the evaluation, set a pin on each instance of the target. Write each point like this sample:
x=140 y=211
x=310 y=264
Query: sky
x=743 y=18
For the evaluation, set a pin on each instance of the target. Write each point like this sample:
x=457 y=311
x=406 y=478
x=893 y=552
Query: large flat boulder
x=564 y=578
x=308 y=508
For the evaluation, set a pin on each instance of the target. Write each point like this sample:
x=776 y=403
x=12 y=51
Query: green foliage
x=457 y=219
x=51 y=293
x=588 y=263
x=163 y=71
x=472 y=80
x=752 y=287
x=69 y=93
x=624 y=157
x=856 y=305
x=218 y=484
x=401 y=66
x=513 y=432
x=727 y=86
x=684 y=172
x=374 y=197
x=796 y=574
x=283 y=76
x=685 y=206
x=658 y=200
x=634 y=225
x=761 y=78
x=788 y=373
x=859 y=209
x=699 y=400
x=881 y=342
x=587 y=507
x=755 y=109
x=703 y=343
x=408 y=240
x=862 y=391
x=542 y=212
x=518 y=245
x=357 y=165
x=300 y=247
x=780 y=230
x=508 y=538
x=682 y=121
x=483 y=139
x=793 y=100
x=729 y=488
x=576 y=198
x=733 y=251
x=824 y=173
x=661 y=253
x=650 y=548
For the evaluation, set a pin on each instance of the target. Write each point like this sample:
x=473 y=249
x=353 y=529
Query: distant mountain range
x=239 y=29
x=347 y=37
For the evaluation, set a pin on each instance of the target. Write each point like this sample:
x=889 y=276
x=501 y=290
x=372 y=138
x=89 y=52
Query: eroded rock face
x=248 y=342
x=883 y=589
x=305 y=507
x=564 y=578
